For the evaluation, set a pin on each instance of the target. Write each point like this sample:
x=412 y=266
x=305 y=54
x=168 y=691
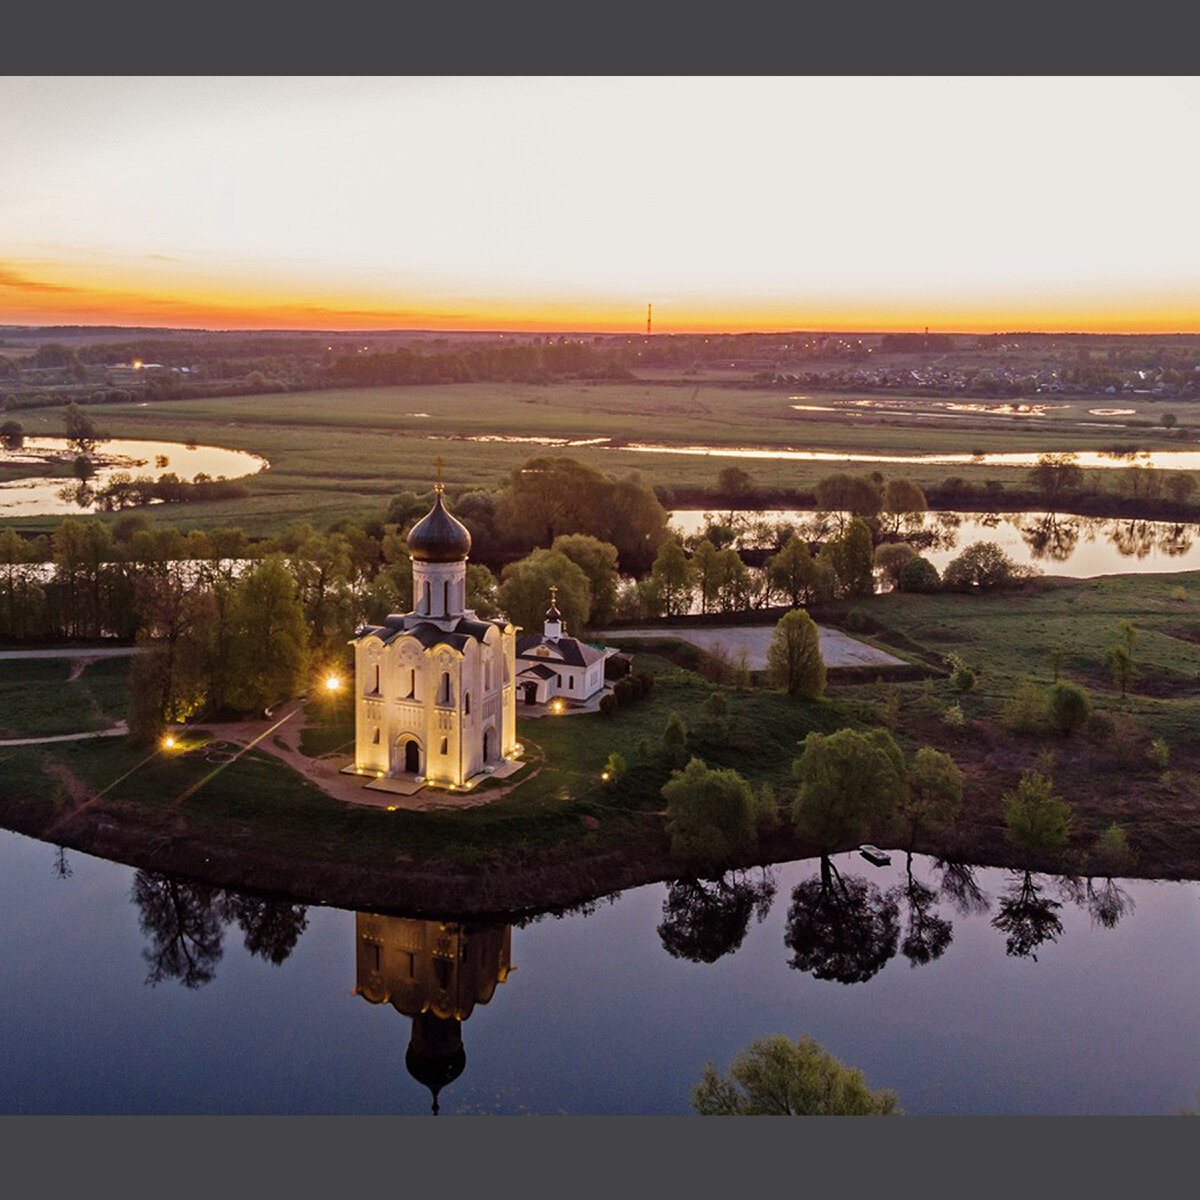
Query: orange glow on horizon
x=58 y=298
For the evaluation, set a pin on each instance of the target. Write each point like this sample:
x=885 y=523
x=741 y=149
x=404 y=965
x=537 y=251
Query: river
x=127 y=992
x=1056 y=543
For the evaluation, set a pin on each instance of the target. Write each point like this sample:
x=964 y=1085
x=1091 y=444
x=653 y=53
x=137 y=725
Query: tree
x=1180 y=485
x=734 y=484
x=851 y=555
x=1068 y=706
x=1055 y=475
x=268 y=638
x=854 y=494
x=673 y=577
x=935 y=790
x=598 y=561
x=776 y=1076
x=12 y=434
x=793 y=572
x=524 y=592
x=706 y=570
x=850 y=783
x=1036 y=820
x=891 y=558
x=82 y=434
x=982 y=566
x=674 y=738
x=902 y=498
x=794 y=660
x=710 y=813
x=1120 y=657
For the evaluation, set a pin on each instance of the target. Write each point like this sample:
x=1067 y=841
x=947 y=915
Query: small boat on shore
x=874 y=855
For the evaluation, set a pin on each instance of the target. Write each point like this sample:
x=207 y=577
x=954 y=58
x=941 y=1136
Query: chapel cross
x=438 y=463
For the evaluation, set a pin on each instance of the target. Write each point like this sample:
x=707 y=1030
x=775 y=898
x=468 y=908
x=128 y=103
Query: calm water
x=1057 y=544
x=114 y=456
x=596 y=1015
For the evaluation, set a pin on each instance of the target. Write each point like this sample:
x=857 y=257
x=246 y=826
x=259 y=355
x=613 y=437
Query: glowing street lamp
x=557 y=707
x=333 y=683
x=168 y=742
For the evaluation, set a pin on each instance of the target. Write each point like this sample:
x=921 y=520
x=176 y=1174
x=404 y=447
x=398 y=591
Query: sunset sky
x=975 y=204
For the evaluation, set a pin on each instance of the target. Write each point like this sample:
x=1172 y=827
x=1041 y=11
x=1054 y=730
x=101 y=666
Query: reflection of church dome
x=439 y=537
x=435 y=1055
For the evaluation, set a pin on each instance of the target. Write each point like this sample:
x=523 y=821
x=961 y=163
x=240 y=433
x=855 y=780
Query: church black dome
x=438 y=537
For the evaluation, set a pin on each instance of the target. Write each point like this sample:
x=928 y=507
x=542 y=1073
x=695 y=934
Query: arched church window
x=412 y=684
x=375 y=678
x=375 y=739
x=467 y=703
x=426 y=600
x=487 y=673
x=446 y=597
x=445 y=745
x=444 y=688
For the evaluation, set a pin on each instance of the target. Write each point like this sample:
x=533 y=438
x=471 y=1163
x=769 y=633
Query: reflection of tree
x=842 y=929
x=62 y=868
x=927 y=934
x=1027 y=918
x=271 y=928
x=705 y=919
x=961 y=888
x=1175 y=540
x=183 y=923
x=1105 y=901
x=1132 y=539
x=1049 y=537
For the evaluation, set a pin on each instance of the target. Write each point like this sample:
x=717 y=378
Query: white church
x=435 y=688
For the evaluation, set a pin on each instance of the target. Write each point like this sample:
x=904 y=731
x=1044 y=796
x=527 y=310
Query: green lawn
x=38 y=700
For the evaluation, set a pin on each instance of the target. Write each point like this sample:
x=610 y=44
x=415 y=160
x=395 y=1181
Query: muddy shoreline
x=504 y=890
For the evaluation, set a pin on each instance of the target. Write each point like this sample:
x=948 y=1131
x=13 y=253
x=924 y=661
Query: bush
x=891 y=558
x=1111 y=854
x=962 y=678
x=608 y=704
x=919 y=575
x=1068 y=707
x=794 y=659
x=1036 y=820
x=624 y=690
x=953 y=716
x=674 y=738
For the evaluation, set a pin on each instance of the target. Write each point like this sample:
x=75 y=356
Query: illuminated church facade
x=435 y=688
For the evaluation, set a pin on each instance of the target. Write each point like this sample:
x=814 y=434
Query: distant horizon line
x=8 y=327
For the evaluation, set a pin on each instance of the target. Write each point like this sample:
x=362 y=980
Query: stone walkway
x=838 y=649
x=120 y=729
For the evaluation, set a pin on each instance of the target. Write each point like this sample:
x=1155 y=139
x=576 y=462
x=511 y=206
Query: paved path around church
x=838 y=649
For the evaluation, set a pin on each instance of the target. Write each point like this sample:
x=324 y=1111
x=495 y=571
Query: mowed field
x=344 y=453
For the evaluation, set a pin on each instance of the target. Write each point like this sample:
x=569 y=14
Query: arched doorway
x=489 y=744
x=531 y=693
x=407 y=756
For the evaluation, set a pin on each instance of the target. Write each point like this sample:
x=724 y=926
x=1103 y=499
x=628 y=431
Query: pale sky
x=731 y=203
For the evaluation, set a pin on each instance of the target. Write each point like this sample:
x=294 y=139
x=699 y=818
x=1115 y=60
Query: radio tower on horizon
x=648 y=307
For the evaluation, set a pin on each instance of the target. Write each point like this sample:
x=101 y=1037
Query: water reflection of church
x=435 y=972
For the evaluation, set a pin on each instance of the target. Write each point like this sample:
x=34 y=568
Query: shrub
x=891 y=558
x=1111 y=854
x=794 y=659
x=962 y=678
x=1160 y=753
x=614 y=768
x=919 y=575
x=953 y=716
x=1068 y=707
x=608 y=704
x=623 y=690
x=674 y=738
x=1036 y=820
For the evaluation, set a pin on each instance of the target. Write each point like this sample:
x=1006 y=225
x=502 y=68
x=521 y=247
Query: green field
x=338 y=454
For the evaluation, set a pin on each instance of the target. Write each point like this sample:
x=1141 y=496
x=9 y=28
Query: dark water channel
x=985 y=992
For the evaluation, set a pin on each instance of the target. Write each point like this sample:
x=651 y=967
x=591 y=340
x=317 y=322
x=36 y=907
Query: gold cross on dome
x=438 y=463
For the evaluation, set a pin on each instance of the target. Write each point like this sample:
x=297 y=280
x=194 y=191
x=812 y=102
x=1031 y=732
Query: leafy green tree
x=891 y=558
x=710 y=813
x=268 y=637
x=524 y=592
x=852 y=556
x=935 y=791
x=598 y=561
x=1036 y=820
x=734 y=484
x=850 y=783
x=481 y=591
x=982 y=566
x=776 y=1076
x=674 y=578
x=792 y=572
x=714 y=720
x=1068 y=707
x=902 y=500
x=854 y=494
x=794 y=660
x=707 y=572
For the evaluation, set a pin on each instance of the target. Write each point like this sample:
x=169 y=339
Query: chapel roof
x=439 y=537
x=571 y=650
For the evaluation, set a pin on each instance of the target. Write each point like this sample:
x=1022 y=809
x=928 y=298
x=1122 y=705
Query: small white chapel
x=435 y=690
